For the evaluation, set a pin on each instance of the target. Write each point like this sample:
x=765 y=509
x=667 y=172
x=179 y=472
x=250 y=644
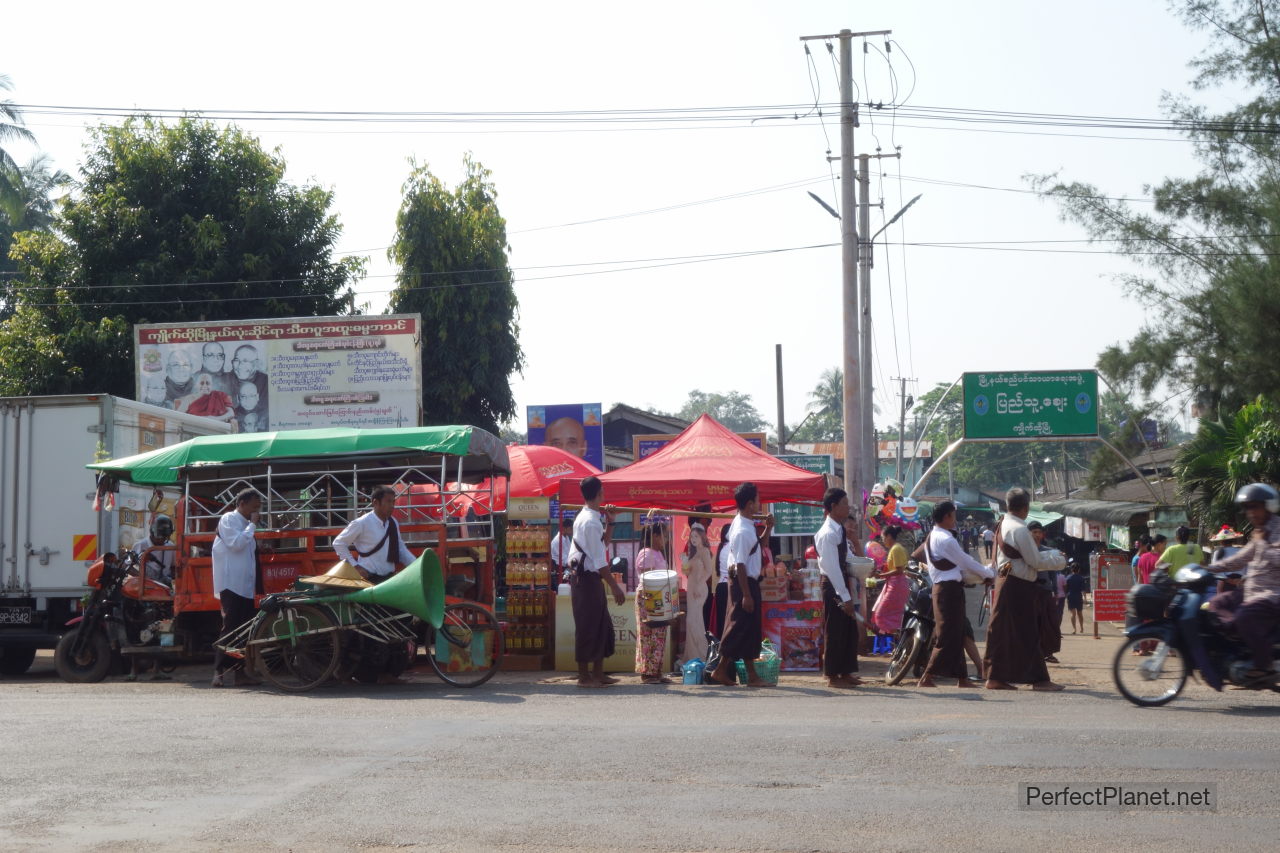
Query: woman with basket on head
x=651 y=644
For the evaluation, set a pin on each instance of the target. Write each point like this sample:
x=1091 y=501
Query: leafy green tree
x=734 y=409
x=11 y=130
x=451 y=247
x=1211 y=242
x=39 y=186
x=1225 y=455
x=172 y=223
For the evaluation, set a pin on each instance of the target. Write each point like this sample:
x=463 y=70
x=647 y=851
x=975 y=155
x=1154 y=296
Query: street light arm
x=895 y=217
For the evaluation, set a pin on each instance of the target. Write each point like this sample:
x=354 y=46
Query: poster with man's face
x=575 y=428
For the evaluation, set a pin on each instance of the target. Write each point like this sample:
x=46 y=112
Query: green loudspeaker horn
x=419 y=590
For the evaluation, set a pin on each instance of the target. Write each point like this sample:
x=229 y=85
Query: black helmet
x=162 y=528
x=1259 y=493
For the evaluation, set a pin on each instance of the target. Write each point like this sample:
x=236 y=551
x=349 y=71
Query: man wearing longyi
x=589 y=572
x=1014 y=654
x=948 y=562
x=372 y=542
x=743 y=629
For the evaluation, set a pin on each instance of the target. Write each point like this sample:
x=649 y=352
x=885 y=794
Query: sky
x=605 y=315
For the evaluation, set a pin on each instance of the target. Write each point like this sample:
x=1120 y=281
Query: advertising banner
x=1037 y=404
x=643 y=446
x=296 y=373
x=801 y=519
x=795 y=627
x=576 y=428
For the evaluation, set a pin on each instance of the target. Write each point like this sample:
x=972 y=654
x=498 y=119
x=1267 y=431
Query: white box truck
x=50 y=532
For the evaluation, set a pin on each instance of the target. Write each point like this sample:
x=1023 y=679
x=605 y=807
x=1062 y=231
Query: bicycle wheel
x=467 y=647
x=297 y=648
x=1149 y=679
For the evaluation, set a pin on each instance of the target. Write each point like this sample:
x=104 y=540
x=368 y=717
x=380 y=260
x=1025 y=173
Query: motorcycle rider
x=1260 y=611
x=158 y=564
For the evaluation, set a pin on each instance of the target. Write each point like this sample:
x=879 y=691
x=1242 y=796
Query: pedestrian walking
x=741 y=638
x=1013 y=654
x=840 y=632
x=589 y=574
x=947 y=564
x=651 y=639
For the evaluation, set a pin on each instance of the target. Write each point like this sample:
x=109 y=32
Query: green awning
x=1045 y=518
x=483 y=451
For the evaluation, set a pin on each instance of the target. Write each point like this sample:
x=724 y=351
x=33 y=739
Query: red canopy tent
x=703 y=465
x=536 y=471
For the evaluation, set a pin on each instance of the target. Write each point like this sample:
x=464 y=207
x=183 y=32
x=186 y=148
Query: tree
x=734 y=409
x=825 y=421
x=1212 y=242
x=11 y=129
x=172 y=223
x=451 y=247
x=38 y=188
x=1225 y=455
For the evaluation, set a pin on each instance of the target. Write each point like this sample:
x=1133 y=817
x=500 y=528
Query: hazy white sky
x=646 y=337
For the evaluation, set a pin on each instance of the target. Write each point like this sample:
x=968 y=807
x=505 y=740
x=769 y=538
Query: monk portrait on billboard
x=569 y=435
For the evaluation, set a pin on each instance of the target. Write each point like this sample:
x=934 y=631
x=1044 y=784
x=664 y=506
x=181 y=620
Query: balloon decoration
x=884 y=508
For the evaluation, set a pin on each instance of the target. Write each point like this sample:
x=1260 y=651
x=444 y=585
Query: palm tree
x=10 y=129
x=37 y=190
x=1224 y=456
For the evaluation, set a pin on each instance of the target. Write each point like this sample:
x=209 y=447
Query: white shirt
x=943 y=545
x=588 y=531
x=560 y=550
x=363 y=534
x=234 y=562
x=159 y=564
x=827 y=542
x=742 y=546
x=988 y=535
x=1014 y=532
x=723 y=560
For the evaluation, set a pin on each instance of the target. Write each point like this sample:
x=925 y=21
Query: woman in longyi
x=651 y=644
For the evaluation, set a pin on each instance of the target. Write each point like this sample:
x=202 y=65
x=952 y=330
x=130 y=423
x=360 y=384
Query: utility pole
x=856 y=396
x=864 y=309
x=782 y=424
x=906 y=403
x=1066 y=478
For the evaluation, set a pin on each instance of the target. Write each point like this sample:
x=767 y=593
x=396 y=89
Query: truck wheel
x=16 y=661
x=92 y=664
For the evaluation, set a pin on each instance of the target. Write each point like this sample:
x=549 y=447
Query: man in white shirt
x=948 y=561
x=372 y=542
x=155 y=555
x=235 y=577
x=839 y=618
x=560 y=545
x=743 y=623
x=988 y=538
x=721 y=604
x=589 y=563
x=1013 y=651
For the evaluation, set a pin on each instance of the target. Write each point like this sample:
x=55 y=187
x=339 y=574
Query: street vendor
x=372 y=542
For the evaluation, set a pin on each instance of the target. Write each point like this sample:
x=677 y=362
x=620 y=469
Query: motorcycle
x=1170 y=634
x=126 y=614
x=915 y=638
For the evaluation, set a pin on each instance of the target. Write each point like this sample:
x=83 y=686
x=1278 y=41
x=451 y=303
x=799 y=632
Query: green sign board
x=799 y=519
x=1031 y=404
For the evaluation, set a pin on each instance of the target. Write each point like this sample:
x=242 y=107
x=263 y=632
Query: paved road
x=535 y=764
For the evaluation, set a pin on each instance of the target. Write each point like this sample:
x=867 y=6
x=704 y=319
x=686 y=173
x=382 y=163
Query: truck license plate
x=15 y=615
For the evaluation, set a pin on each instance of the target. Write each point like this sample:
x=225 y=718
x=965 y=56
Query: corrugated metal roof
x=1111 y=512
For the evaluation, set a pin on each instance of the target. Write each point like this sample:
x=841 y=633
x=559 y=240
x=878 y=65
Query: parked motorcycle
x=125 y=613
x=915 y=638
x=1170 y=634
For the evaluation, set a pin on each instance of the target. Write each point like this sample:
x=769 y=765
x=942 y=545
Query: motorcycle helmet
x=162 y=528
x=1260 y=493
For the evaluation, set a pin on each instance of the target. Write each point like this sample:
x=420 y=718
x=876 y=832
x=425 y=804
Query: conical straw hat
x=343 y=574
x=1226 y=534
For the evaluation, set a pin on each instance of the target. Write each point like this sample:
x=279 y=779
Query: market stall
x=698 y=471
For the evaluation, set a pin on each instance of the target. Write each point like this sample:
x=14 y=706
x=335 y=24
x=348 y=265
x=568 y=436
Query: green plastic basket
x=766 y=668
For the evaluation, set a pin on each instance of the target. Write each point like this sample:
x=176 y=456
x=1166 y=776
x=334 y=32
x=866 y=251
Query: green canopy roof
x=484 y=451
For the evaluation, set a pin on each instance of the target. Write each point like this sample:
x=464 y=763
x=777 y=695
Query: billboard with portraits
x=259 y=375
x=576 y=428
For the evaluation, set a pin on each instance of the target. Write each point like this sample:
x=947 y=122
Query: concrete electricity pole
x=906 y=402
x=856 y=392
